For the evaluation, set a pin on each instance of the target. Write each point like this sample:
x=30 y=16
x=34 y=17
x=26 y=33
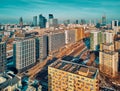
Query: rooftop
x=75 y=68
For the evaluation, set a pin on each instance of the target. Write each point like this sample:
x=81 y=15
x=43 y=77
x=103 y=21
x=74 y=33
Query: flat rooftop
x=75 y=68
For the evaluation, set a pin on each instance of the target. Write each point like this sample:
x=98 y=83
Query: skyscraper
x=42 y=21
x=2 y=57
x=67 y=76
x=104 y=20
x=53 y=22
x=51 y=16
x=24 y=53
x=35 y=21
x=76 y=22
x=21 y=22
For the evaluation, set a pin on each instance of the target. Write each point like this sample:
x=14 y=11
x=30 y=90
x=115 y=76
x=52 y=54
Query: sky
x=12 y=10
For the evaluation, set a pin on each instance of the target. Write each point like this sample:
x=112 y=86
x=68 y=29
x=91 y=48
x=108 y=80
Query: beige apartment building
x=68 y=76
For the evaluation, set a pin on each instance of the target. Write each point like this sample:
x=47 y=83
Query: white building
x=24 y=53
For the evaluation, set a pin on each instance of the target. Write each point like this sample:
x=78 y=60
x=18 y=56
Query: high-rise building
x=41 y=47
x=35 y=21
x=83 y=21
x=21 y=22
x=95 y=40
x=117 y=45
x=107 y=46
x=51 y=16
x=109 y=62
x=76 y=22
x=68 y=76
x=66 y=22
x=2 y=57
x=115 y=24
x=104 y=20
x=42 y=21
x=53 y=22
x=24 y=53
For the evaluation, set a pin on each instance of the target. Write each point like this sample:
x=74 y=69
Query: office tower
x=42 y=21
x=83 y=21
x=24 y=53
x=95 y=40
x=68 y=76
x=66 y=22
x=21 y=22
x=109 y=62
x=2 y=57
x=53 y=23
x=35 y=21
x=51 y=16
x=41 y=47
x=76 y=22
x=107 y=46
x=104 y=20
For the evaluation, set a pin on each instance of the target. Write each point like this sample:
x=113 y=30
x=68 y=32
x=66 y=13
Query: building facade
x=24 y=54
x=2 y=57
x=67 y=76
x=109 y=62
x=41 y=47
x=42 y=21
x=107 y=46
x=35 y=21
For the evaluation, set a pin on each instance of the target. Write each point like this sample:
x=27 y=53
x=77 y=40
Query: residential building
x=2 y=57
x=117 y=45
x=68 y=76
x=41 y=47
x=24 y=53
x=95 y=40
x=107 y=46
x=56 y=41
x=109 y=62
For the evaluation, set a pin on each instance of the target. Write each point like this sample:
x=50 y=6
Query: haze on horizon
x=11 y=10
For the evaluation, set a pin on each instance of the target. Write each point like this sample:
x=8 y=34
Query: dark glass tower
x=35 y=21
x=21 y=22
x=51 y=16
x=42 y=21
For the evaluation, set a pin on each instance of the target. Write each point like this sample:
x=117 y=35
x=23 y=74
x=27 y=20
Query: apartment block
x=95 y=40
x=117 y=45
x=69 y=36
x=41 y=47
x=68 y=76
x=107 y=46
x=79 y=34
x=109 y=62
x=24 y=53
x=56 y=41
x=2 y=57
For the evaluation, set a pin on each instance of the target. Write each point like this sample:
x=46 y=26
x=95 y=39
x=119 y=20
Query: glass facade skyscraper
x=51 y=16
x=35 y=21
x=42 y=21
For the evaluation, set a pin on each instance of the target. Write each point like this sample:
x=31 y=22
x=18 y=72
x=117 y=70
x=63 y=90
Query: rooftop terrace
x=75 y=68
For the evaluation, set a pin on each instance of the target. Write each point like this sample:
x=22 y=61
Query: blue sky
x=11 y=10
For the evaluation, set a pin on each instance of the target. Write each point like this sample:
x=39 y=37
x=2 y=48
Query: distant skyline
x=12 y=10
